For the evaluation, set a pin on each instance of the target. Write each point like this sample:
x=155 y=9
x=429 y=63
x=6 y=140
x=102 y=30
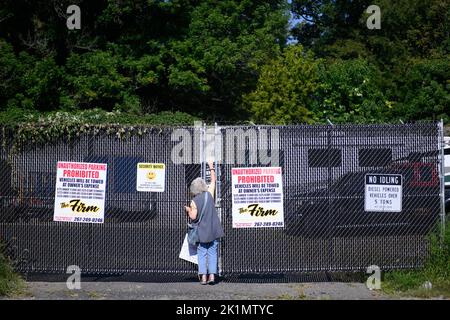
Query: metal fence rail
x=326 y=225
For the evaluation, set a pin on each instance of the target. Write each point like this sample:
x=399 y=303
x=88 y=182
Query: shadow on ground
x=227 y=278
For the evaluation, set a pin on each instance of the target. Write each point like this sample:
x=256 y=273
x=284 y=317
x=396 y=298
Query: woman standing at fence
x=209 y=228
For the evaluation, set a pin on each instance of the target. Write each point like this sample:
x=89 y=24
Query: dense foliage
x=407 y=60
x=137 y=56
x=228 y=60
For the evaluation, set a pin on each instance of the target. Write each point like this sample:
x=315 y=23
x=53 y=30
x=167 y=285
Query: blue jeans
x=207 y=257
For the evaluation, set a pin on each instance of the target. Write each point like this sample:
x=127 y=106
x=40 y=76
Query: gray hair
x=198 y=186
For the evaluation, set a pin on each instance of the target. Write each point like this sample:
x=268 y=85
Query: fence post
x=217 y=145
x=330 y=129
x=217 y=158
x=442 y=178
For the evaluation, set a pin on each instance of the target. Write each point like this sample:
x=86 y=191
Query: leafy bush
x=10 y=282
x=436 y=270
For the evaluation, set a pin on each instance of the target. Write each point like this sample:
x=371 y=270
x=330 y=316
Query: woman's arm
x=212 y=186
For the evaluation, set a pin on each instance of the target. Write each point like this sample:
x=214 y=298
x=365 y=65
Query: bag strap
x=204 y=207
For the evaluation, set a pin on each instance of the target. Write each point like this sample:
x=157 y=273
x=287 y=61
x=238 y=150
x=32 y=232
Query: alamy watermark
x=374 y=20
x=229 y=146
x=74 y=280
x=374 y=281
x=73 y=22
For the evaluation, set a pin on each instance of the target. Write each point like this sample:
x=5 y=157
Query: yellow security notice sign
x=151 y=177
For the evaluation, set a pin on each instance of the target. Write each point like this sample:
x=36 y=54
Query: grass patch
x=11 y=284
x=300 y=296
x=96 y=295
x=285 y=296
x=436 y=270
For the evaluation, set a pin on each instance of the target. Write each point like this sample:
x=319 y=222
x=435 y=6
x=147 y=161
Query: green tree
x=196 y=56
x=349 y=92
x=27 y=82
x=95 y=79
x=408 y=27
x=218 y=61
x=296 y=87
x=286 y=88
x=425 y=92
x=413 y=41
x=9 y=73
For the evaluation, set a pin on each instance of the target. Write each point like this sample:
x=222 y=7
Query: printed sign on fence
x=80 y=192
x=257 y=197
x=151 y=177
x=383 y=193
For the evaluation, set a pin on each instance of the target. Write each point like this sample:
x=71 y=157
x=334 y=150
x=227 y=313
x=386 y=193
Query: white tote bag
x=188 y=252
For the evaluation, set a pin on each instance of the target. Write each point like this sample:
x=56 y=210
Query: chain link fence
x=327 y=226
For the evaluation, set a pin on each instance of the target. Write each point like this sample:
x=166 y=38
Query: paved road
x=195 y=291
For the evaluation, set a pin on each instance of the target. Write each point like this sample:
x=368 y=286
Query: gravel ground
x=195 y=291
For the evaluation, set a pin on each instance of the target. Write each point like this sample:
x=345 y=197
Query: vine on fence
x=37 y=129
